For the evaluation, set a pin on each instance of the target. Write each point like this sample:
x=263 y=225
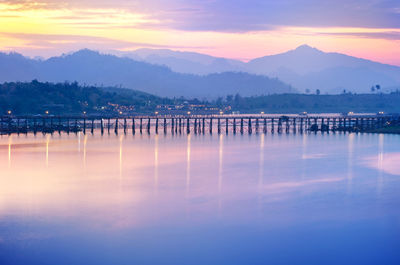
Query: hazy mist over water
x=200 y=199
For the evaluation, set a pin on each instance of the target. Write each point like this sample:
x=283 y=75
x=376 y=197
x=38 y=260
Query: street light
x=47 y=112
x=9 y=112
x=262 y=112
x=84 y=113
x=188 y=112
x=120 y=113
x=156 y=112
x=221 y=112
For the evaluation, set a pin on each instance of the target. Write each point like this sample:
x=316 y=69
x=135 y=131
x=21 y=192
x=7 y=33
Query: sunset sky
x=240 y=29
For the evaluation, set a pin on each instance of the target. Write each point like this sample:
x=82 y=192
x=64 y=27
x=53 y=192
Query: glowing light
x=9 y=150
x=9 y=112
x=156 y=162
x=188 y=164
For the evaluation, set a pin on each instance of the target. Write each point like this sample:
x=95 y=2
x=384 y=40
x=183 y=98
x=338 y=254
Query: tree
x=373 y=89
x=218 y=102
x=237 y=99
x=318 y=92
x=378 y=87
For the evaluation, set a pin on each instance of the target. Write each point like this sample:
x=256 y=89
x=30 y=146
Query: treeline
x=71 y=98
x=60 y=98
x=295 y=103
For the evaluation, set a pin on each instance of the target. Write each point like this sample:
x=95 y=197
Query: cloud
x=75 y=42
x=246 y=15
x=388 y=35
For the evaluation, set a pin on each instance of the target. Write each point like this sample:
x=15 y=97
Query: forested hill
x=70 y=98
x=37 y=97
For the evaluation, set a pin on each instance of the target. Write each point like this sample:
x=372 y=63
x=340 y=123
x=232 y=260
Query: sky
x=239 y=29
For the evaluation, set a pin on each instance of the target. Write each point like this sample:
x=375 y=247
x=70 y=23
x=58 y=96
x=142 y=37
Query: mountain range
x=303 y=68
x=171 y=73
x=93 y=68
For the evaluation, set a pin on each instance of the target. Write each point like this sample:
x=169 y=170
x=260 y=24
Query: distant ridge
x=93 y=68
x=304 y=68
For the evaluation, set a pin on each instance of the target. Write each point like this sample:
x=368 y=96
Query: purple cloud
x=250 y=15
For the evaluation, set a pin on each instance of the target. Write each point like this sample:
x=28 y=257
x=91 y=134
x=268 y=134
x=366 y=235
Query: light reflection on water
x=200 y=199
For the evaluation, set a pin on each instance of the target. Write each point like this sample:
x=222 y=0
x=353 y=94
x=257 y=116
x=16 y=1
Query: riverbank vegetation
x=71 y=98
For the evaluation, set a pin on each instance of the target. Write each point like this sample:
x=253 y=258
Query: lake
x=200 y=199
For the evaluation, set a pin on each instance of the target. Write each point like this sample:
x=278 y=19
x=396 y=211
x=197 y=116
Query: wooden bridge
x=197 y=123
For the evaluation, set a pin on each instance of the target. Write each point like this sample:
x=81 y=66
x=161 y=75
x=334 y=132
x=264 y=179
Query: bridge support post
x=287 y=125
x=116 y=126
x=265 y=129
x=301 y=125
x=279 y=125
x=294 y=125
x=250 y=129
x=26 y=125
x=272 y=125
x=257 y=125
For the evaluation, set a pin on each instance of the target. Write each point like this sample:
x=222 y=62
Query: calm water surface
x=200 y=199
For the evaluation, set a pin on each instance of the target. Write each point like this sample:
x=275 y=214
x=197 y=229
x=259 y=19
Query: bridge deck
x=197 y=123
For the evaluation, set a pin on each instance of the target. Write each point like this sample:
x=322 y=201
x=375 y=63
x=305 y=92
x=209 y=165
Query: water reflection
x=350 y=158
x=156 y=163
x=47 y=149
x=381 y=138
x=220 y=165
x=188 y=164
x=9 y=150
x=241 y=196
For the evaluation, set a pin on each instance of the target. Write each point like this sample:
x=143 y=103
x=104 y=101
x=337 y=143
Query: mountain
x=310 y=68
x=92 y=68
x=186 y=62
x=304 y=68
